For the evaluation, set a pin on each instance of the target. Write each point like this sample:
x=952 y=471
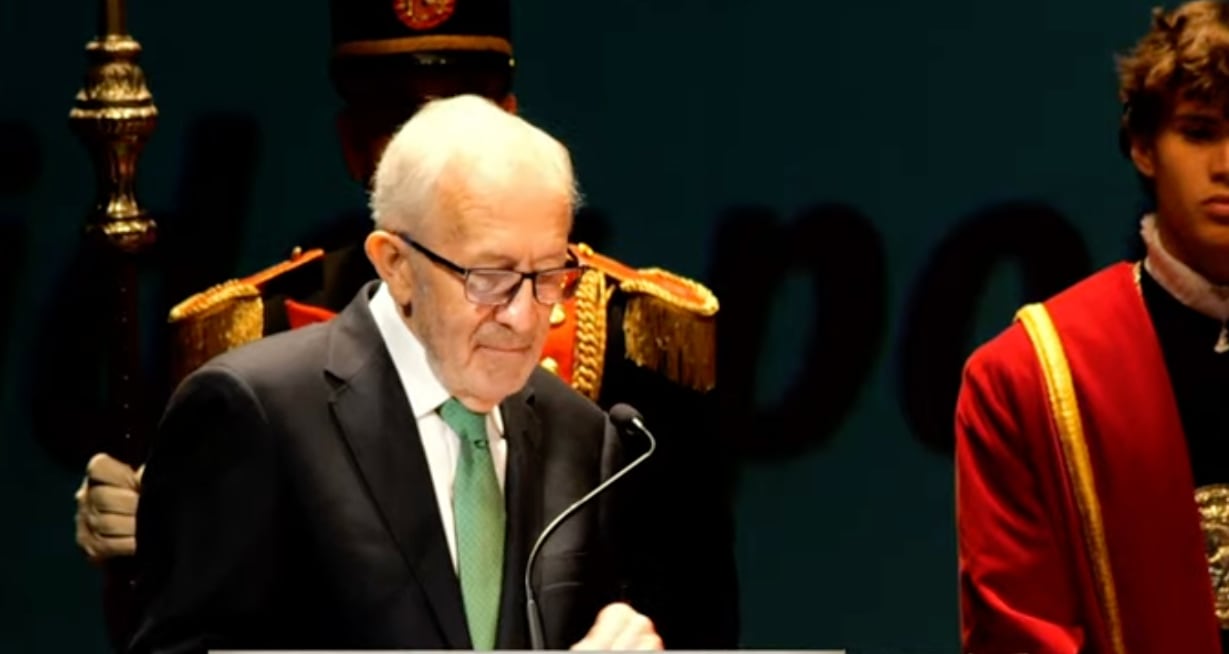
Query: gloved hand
x=107 y=508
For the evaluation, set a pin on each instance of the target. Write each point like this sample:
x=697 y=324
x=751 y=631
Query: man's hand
x=107 y=509
x=620 y=628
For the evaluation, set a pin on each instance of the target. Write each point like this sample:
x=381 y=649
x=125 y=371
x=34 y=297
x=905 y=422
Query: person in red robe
x=1092 y=457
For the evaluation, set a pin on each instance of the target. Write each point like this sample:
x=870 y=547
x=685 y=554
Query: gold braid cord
x=590 y=350
x=1065 y=410
x=670 y=326
x=213 y=321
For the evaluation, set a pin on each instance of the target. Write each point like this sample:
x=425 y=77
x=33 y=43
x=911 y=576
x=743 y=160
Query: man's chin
x=496 y=387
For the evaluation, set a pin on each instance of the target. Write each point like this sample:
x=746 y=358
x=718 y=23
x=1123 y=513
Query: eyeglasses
x=495 y=286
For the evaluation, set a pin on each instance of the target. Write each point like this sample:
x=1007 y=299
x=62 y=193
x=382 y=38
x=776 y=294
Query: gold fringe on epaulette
x=213 y=321
x=673 y=335
x=589 y=356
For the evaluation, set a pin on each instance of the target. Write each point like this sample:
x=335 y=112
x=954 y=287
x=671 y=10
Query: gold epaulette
x=224 y=316
x=669 y=321
x=214 y=321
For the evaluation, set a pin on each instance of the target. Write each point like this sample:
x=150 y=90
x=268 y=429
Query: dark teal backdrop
x=870 y=187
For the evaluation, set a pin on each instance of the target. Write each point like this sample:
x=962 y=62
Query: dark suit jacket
x=288 y=504
x=684 y=494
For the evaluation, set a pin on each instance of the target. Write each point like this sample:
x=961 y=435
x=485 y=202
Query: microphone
x=624 y=418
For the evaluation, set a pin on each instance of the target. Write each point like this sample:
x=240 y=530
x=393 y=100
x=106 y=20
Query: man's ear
x=509 y=103
x=1143 y=155
x=361 y=145
x=388 y=257
x=353 y=147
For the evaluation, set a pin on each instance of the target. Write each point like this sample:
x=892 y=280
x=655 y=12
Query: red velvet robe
x=1026 y=576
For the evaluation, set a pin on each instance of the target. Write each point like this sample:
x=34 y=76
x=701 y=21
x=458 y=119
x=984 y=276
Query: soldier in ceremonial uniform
x=641 y=336
x=1092 y=462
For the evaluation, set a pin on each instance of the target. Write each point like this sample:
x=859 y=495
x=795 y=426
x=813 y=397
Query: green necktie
x=478 y=514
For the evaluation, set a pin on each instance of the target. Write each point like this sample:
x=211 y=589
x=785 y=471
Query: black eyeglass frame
x=567 y=290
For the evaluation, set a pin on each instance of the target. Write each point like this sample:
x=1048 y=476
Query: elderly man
x=376 y=481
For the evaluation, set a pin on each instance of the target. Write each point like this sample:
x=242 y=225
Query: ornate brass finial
x=114 y=114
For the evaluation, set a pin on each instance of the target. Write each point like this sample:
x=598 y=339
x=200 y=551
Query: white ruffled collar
x=1187 y=286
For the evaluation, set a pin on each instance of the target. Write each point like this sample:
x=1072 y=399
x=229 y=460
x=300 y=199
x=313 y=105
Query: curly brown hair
x=1184 y=55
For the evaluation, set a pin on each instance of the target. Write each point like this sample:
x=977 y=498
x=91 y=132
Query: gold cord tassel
x=211 y=322
x=590 y=349
x=670 y=332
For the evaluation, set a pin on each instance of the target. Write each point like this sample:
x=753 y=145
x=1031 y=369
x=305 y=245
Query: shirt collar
x=422 y=387
x=1182 y=282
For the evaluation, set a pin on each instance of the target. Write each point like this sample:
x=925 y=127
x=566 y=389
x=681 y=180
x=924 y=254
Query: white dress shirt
x=425 y=395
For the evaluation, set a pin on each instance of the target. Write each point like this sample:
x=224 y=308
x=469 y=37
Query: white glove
x=107 y=508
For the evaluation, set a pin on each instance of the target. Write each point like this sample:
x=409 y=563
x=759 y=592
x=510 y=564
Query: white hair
x=469 y=131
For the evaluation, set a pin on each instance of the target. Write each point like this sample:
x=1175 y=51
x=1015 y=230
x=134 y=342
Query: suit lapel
x=523 y=502
x=379 y=427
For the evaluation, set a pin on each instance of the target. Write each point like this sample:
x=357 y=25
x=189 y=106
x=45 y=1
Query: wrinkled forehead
x=481 y=204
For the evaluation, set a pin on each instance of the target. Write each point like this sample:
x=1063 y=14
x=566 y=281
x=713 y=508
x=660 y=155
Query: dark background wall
x=871 y=188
